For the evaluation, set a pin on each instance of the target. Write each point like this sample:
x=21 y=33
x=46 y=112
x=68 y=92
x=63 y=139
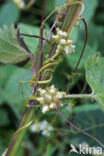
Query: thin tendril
x=83 y=46
x=41 y=33
x=80 y=130
x=54 y=24
x=27 y=6
x=35 y=36
x=85 y=42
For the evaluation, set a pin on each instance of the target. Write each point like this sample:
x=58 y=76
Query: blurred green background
x=84 y=113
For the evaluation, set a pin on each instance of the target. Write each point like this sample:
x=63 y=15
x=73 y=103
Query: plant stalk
x=80 y=96
x=19 y=134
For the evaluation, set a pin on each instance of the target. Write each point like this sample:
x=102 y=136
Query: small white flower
x=45 y=109
x=50 y=128
x=40 y=99
x=52 y=106
x=61 y=33
x=46 y=128
x=40 y=89
x=46 y=133
x=60 y=104
x=57 y=29
x=19 y=3
x=22 y=4
x=59 y=95
x=48 y=97
x=73 y=46
x=64 y=34
x=66 y=50
x=52 y=89
x=55 y=37
x=42 y=92
x=57 y=50
x=43 y=124
x=35 y=127
x=69 y=41
x=63 y=41
x=58 y=47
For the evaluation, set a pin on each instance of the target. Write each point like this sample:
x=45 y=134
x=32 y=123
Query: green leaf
x=59 y=2
x=9 y=14
x=85 y=108
x=90 y=6
x=17 y=89
x=72 y=59
x=97 y=37
x=5 y=72
x=95 y=77
x=32 y=43
x=10 y=50
x=4 y=116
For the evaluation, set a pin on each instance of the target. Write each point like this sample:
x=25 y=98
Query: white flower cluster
x=64 y=44
x=19 y=3
x=43 y=126
x=50 y=98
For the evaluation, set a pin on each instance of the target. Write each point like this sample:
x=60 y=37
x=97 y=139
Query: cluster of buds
x=61 y=11
x=19 y=3
x=65 y=45
x=50 y=98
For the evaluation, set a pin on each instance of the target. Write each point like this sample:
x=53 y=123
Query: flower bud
x=41 y=100
x=45 y=109
x=63 y=41
x=52 y=106
x=19 y=3
x=52 y=89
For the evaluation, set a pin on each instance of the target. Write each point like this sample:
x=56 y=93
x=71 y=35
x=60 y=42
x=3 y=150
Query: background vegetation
x=84 y=113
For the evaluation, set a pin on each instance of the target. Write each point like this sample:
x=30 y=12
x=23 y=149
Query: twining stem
x=41 y=33
x=18 y=136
